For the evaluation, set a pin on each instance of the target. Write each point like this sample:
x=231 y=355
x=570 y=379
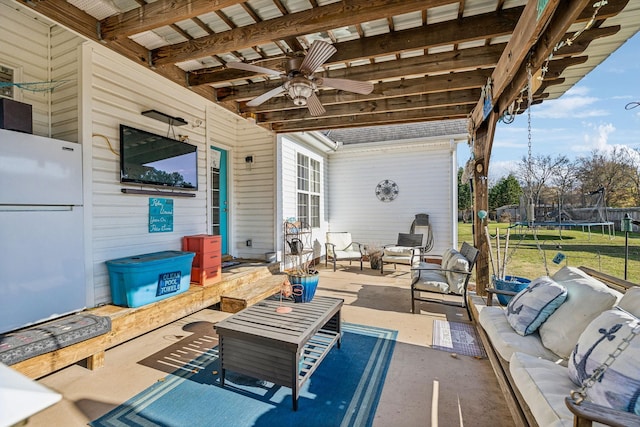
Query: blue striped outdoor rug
x=343 y=391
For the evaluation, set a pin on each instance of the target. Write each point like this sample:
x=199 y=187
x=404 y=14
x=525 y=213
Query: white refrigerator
x=41 y=229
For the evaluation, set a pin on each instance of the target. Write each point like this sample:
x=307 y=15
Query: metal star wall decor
x=387 y=190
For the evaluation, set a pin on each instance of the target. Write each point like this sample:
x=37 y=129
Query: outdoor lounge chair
x=407 y=249
x=340 y=247
x=451 y=276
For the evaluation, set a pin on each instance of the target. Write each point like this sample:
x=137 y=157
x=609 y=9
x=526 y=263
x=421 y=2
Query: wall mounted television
x=150 y=159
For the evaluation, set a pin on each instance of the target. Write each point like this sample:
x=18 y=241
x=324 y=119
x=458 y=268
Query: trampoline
x=585 y=225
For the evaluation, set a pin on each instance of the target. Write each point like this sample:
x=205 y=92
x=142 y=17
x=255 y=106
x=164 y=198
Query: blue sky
x=591 y=115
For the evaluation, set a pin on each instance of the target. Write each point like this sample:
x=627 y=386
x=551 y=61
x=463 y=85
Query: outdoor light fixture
x=299 y=89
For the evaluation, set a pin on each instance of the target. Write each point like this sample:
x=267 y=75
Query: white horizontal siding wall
x=254 y=201
x=425 y=173
x=290 y=146
x=24 y=46
x=116 y=91
x=64 y=99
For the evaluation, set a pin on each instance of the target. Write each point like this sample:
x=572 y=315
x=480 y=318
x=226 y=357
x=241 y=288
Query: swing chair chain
x=580 y=395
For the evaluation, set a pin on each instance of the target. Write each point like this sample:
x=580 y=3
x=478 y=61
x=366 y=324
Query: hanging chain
x=580 y=395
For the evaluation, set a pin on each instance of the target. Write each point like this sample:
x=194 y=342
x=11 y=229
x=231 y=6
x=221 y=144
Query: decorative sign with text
x=160 y=215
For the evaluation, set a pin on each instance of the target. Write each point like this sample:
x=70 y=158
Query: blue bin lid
x=155 y=257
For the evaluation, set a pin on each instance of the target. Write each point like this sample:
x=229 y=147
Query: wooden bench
x=250 y=293
x=584 y=414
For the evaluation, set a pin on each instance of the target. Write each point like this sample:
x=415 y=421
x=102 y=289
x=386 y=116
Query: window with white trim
x=308 y=190
x=7 y=76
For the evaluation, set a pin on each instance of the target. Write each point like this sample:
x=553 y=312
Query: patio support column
x=482 y=152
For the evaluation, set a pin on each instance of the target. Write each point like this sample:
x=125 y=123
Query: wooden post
x=482 y=150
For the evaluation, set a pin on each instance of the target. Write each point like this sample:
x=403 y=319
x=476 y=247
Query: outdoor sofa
x=536 y=365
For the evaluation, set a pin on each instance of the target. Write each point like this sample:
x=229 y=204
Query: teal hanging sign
x=160 y=215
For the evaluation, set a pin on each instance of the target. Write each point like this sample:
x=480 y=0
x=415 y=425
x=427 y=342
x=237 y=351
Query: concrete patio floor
x=424 y=386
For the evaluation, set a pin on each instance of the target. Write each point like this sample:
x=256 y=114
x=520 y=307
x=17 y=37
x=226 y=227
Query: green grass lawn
x=528 y=249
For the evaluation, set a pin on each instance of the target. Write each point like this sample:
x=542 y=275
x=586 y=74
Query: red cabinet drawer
x=206 y=276
x=201 y=244
x=207 y=260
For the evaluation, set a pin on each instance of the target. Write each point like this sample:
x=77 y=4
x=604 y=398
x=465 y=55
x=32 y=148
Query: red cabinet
x=207 y=264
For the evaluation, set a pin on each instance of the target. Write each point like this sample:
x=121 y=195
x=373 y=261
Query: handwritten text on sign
x=160 y=215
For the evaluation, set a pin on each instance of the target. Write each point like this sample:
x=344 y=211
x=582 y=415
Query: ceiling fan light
x=299 y=89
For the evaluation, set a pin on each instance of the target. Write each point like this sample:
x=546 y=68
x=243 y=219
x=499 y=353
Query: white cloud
x=501 y=168
x=596 y=138
x=575 y=103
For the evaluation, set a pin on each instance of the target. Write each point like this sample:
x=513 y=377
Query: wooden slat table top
x=262 y=320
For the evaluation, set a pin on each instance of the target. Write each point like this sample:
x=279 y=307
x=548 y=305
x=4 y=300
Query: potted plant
x=304 y=280
x=297 y=252
x=374 y=253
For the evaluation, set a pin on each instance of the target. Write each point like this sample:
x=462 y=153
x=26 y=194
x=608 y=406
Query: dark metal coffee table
x=283 y=348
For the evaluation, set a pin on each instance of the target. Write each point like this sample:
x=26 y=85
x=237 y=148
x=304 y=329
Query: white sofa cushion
x=630 y=301
x=533 y=305
x=398 y=251
x=544 y=385
x=619 y=386
x=586 y=299
x=506 y=341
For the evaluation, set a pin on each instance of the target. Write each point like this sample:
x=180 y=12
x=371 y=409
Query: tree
x=613 y=171
x=464 y=196
x=537 y=172
x=507 y=191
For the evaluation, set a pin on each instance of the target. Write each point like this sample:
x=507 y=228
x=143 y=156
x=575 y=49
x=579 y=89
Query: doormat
x=456 y=337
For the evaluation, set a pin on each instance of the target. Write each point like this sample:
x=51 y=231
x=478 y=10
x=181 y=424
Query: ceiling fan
x=300 y=83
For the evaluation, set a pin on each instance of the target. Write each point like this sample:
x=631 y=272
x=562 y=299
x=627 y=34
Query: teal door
x=219 y=197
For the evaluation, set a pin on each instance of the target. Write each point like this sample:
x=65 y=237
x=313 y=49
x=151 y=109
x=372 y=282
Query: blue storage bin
x=510 y=283
x=147 y=278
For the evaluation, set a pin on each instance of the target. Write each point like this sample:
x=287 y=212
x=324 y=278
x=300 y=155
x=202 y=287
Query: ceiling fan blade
x=254 y=68
x=315 y=106
x=364 y=88
x=318 y=53
x=265 y=97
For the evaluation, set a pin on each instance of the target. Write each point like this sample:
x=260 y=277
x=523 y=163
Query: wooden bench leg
x=95 y=361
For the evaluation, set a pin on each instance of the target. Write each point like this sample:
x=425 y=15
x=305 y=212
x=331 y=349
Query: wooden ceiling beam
x=413 y=116
x=478 y=57
x=382 y=105
x=562 y=15
x=405 y=87
x=157 y=14
x=308 y=21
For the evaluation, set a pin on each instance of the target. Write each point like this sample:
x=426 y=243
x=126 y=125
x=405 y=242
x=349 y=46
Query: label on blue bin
x=168 y=283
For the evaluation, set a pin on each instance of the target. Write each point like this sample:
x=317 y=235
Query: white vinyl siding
x=291 y=147
x=254 y=191
x=64 y=99
x=423 y=173
x=24 y=46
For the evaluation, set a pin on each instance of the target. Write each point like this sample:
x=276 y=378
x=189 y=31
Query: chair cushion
x=447 y=255
x=456 y=263
x=348 y=255
x=544 y=385
x=619 y=386
x=506 y=341
x=630 y=301
x=342 y=240
x=586 y=299
x=530 y=307
x=430 y=281
x=402 y=251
